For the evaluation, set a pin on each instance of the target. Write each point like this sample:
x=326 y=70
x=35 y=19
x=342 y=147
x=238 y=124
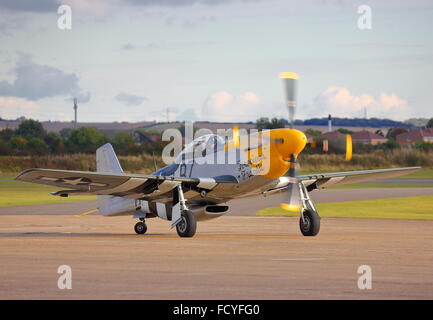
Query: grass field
x=423 y=173
x=16 y=193
x=382 y=185
x=411 y=208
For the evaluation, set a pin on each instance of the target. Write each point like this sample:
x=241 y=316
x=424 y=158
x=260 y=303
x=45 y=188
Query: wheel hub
x=182 y=225
x=306 y=224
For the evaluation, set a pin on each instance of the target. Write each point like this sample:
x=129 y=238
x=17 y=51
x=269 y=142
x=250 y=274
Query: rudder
x=106 y=160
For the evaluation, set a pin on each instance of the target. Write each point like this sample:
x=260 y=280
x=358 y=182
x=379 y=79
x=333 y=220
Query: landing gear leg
x=186 y=225
x=309 y=222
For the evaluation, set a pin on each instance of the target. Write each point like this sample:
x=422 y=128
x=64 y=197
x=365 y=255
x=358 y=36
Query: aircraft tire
x=187 y=227
x=312 y=223
x=140 y=228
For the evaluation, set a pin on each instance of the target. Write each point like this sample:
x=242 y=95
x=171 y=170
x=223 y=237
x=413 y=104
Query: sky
x=216 y=60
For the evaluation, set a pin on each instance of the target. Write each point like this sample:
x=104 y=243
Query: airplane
x=195 y=188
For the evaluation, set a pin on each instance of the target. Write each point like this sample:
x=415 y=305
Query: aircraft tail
x=106 y=160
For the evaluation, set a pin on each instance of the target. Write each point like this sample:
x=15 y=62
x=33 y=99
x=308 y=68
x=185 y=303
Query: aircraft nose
x=290 y=141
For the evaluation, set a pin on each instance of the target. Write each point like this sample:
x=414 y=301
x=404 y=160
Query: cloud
x=130 y=99
x=51 y=6
x=223 y=106
x=34 y=81
x=176 y=3
x=188 y=114
x=128 y=46
x=13 y=107
x=30 y=5
x=340 y=102
x=82 y=97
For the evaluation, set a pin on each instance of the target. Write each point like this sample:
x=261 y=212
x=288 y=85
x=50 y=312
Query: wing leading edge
x=325 y=180
x=123 y=185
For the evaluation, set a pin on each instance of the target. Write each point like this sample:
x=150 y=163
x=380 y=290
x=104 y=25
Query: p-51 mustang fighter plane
x=196 y=187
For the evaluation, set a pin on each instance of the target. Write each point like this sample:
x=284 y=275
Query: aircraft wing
x=122 y=185
x=325 y=180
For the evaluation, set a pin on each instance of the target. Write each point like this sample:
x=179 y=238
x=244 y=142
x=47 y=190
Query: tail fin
x=106 y=160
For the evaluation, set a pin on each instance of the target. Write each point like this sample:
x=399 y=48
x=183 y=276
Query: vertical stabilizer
x=106 y=160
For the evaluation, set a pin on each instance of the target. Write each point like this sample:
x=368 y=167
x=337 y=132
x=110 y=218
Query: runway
x=229 y=258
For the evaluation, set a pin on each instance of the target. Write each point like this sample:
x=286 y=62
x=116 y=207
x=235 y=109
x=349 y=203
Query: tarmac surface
x=236 y=256
x=229 y=258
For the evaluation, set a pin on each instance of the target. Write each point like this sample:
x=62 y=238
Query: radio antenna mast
x=75 y=113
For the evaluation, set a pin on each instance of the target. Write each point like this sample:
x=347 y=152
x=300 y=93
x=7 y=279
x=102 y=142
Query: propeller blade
x=236 y=137
x=348 y=147
x=293 y=203
x=289 y=87
x=294 y=197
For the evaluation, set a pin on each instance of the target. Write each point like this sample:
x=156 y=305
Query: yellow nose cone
x=289 y=141
x=284 y=142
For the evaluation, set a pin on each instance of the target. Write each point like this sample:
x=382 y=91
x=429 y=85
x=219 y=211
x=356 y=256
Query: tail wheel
x=311 y=224
x=140 y=228
x=187 y=226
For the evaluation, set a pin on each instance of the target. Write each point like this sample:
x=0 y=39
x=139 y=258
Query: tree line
x=30 y=138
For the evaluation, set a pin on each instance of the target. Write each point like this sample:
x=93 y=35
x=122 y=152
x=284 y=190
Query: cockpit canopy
x=201 y=147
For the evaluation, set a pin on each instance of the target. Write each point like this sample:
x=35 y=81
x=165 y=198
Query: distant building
x=414 y=136
x=367 y=137
x=332 y=140
x=333 y=135
x=142 y=137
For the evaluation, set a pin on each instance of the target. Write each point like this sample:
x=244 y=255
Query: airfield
x=238 y=256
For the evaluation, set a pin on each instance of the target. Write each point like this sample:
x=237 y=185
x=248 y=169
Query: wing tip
x=24 y=172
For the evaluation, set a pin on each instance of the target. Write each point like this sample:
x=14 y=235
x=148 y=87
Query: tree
x=85 y=139
x=124 y=143
x=312 y=132
x=344 y=131
x=277 y=123
x=274 y=123
x=36 y=146
x=18 y=143
x=5 y=148
x=261 y=123
x=424 y=146
x=54 y=142
x=6 y=134
x=30 y=129
x=391 y=144
x=65 y=133
x=430 y=123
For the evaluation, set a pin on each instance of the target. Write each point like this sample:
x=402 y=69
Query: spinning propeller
x=293 y=193
x=343 y=145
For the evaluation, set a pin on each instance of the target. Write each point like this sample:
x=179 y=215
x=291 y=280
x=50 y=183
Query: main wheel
x=140 y=228
x=187 y=226
x=311 y=224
